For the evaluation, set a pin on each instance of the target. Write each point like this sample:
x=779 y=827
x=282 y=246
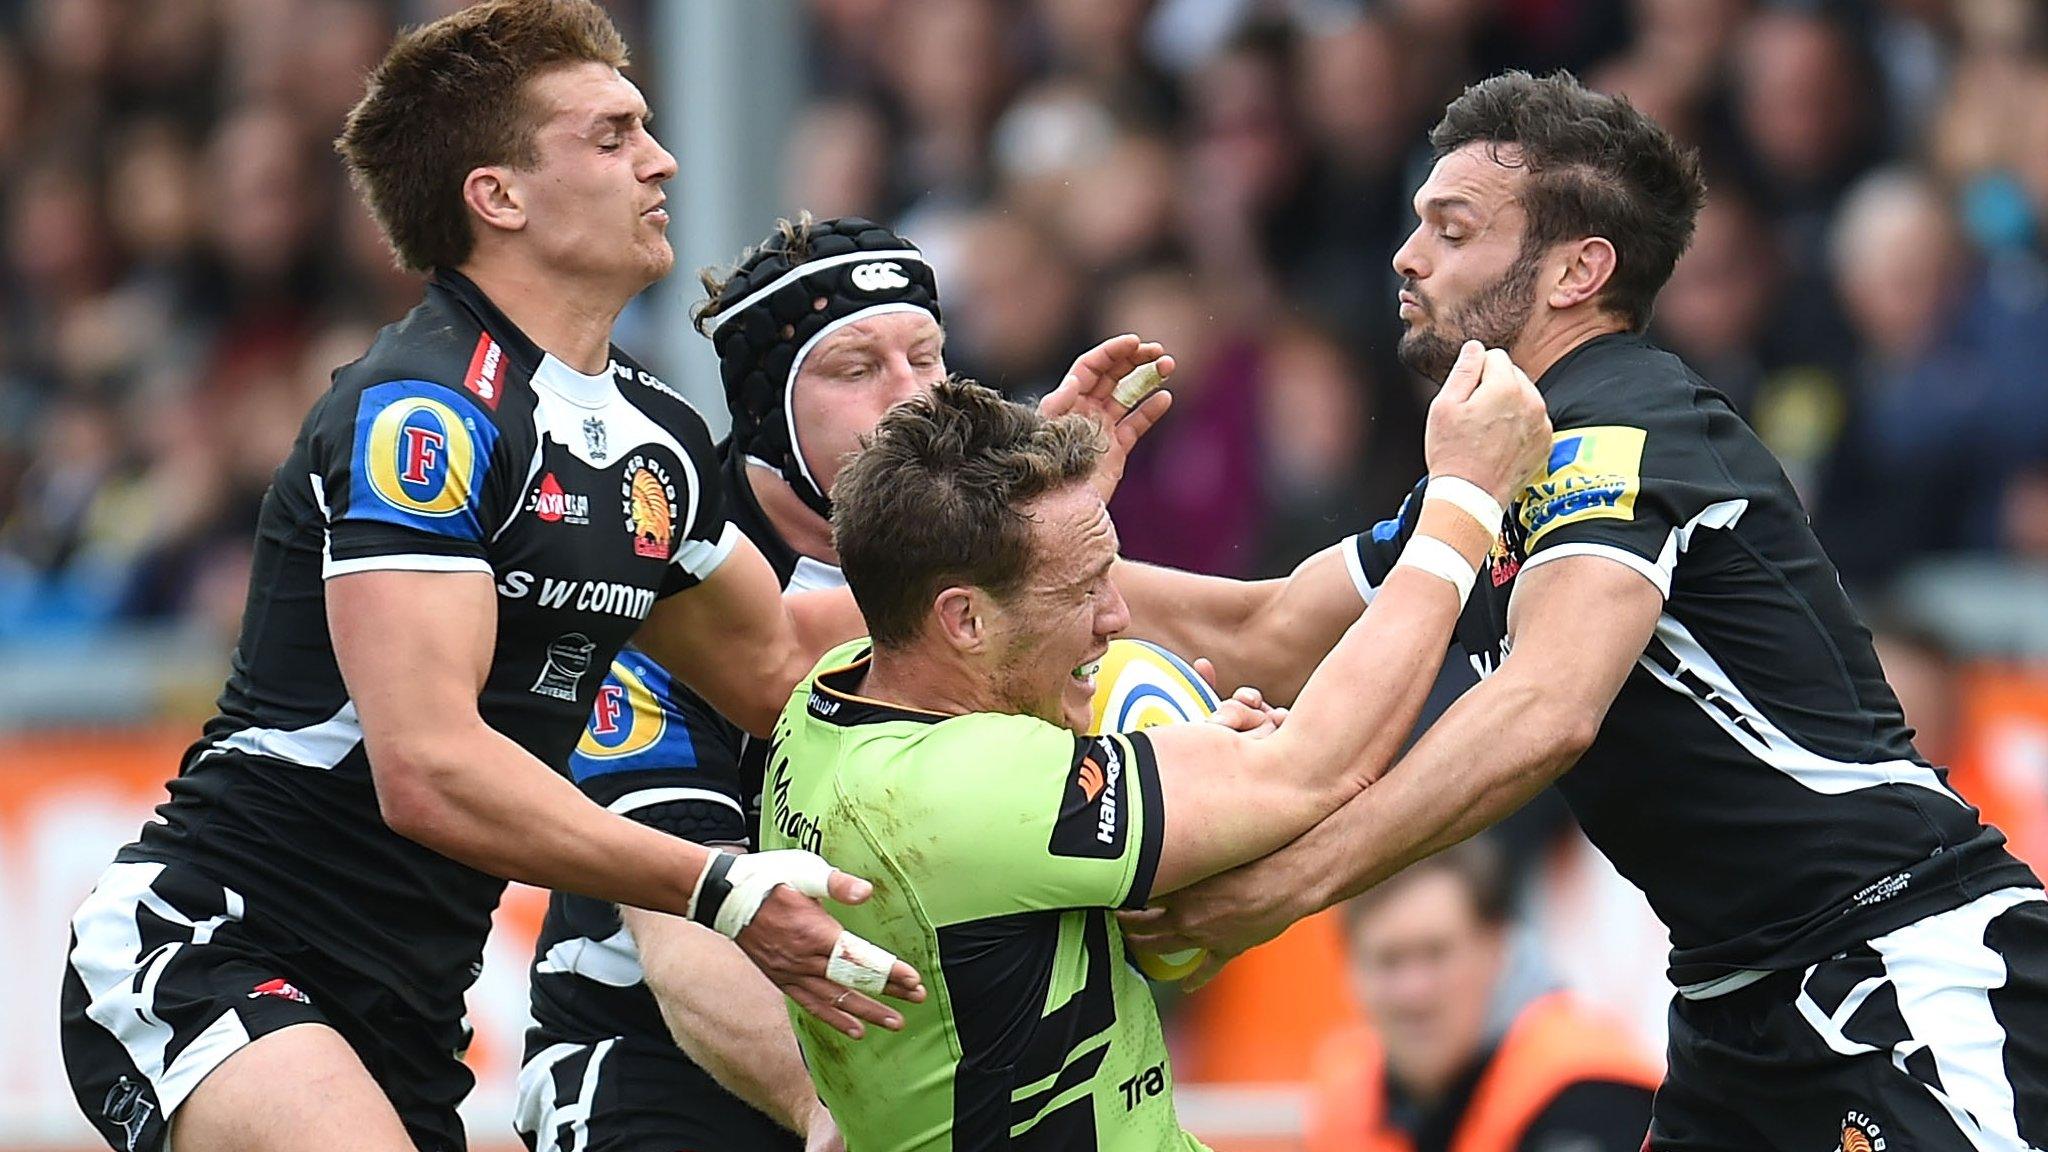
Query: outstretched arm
x=725 y=1016
x=1266 y=633
x=1500 y=744
x=1233 y=798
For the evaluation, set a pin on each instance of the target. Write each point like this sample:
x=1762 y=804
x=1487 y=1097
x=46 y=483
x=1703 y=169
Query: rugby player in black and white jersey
x=650 y=1032
x=1859 y=962
x=474 y=519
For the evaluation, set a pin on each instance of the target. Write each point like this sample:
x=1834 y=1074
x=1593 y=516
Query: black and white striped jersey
x=660 y=754
x=454 y=445
x=1755 y=777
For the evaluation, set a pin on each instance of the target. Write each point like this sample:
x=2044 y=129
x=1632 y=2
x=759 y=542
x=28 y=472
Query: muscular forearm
x=725 y=1015
x=1266 y=633
x=1487 y=756
x=474 y=796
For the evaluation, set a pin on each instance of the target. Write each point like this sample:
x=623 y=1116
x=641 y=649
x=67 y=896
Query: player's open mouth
x=1084 y=674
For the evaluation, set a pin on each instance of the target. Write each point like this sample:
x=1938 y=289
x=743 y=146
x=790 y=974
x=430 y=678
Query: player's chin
x=1076 y=705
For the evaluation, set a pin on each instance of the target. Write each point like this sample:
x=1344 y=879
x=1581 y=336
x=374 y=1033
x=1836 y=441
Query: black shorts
x=631 y=1094
x=164 y=981
x=1931 y=1038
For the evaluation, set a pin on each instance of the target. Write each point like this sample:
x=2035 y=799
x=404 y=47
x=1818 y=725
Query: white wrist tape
x=859 y=965
x=1468 y=496
x=1437 y=558
x=755 y=875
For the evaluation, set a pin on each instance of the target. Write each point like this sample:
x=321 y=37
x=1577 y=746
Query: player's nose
x=1408 y=260
x=660 y=166
x=1113 y=614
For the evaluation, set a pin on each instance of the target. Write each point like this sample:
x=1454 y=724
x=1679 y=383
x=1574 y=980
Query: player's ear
x=958 y=611
x=494 y=197
x=1583 y=273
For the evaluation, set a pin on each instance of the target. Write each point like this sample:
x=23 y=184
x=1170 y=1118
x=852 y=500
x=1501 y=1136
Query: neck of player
x=570 y=321
x=806 y=532
x=1542 y=346
x=928 y=682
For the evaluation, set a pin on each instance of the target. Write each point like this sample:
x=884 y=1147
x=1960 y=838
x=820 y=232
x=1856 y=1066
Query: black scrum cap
x=781 y=308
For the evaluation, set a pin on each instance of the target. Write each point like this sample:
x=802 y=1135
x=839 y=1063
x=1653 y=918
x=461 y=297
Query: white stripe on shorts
x=536 y=1111
x=1943 y=974
x=108 y=957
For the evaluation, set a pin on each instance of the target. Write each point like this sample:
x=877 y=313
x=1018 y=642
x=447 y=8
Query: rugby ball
x=1140 y=685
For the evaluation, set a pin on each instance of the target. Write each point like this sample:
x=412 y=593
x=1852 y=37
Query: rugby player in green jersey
x=945 y=759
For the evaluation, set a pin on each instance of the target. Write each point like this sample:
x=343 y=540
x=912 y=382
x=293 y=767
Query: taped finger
x=859 y=965
x=1132 y=390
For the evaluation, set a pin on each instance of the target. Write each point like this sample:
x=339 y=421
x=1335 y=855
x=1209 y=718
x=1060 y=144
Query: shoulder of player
x=956 y=751
x=441 y=351
x=1619 y=379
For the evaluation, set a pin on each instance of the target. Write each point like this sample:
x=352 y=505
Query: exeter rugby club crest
x=650 y=507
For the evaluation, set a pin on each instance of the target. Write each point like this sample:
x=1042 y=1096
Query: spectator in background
x=837 y=160
x=1454 y=1057
x=1947 y=403
x=1807 y=114
x=1195 y=498
x=1357 y=92
x=949 y=71
x=1022 y=306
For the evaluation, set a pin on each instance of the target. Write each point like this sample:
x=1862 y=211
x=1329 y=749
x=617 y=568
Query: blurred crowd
x=183 y=263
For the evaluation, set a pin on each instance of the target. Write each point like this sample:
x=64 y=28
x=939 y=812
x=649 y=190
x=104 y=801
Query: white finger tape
x=859 y=965
x=1143 y=381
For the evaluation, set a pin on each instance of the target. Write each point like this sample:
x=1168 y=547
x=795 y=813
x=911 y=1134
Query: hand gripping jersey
x=1755 y=777
x=453 y=445
x=998 y=846
x=657 y=752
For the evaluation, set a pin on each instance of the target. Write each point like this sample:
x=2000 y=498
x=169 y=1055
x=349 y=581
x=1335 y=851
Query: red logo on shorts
x=283 y=988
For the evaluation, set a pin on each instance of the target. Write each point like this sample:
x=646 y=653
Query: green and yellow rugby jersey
x=998 y=846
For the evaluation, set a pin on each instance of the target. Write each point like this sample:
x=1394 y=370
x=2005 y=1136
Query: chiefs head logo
x=1860 y=1133
x=650 y=507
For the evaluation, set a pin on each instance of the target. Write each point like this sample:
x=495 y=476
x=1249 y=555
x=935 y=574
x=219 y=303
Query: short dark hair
x=933 y=499
x=1477 y=865
x=1597 y=167
x=448 y=98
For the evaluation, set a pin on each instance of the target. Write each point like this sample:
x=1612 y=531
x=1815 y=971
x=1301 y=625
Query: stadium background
x=181 y=264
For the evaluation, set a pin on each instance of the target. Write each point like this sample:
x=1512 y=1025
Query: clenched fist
x=1488 y=424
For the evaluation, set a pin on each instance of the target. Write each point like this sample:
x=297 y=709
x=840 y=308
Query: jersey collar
x=526 y=355
x=834 y=701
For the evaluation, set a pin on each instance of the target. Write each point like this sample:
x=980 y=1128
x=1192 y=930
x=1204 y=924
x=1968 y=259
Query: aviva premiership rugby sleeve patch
x=420 y=455
x=1593 y=474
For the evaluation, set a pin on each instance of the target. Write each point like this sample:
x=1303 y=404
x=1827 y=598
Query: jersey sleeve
x=1632 y=487
x=409 y=475
x=655 y=753
x=1051 y=821
x=712 y=535
x=1371 y=554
